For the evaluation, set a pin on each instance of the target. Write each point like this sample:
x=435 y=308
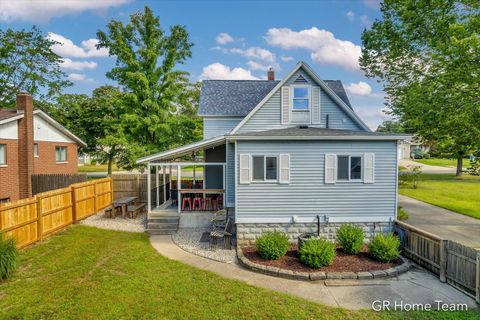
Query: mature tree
x=27 y=63
x=390 y=126
x=157 y=97
x=427 y=54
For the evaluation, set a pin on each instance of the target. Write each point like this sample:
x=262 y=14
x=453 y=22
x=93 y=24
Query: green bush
x=385 y=247
x=8 y=257
x=317 y=253
x=350 y=237
x=402 y=215
x=272 y=245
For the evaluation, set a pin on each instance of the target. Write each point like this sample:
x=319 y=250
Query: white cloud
x=257 y=66
x=42 y=11
x=77 y=65
x=359 y=89
x=372 y=4
x=223 y=38
x=77 y=77
x=351 y=15
x=255 y=53
x=366 y=21
x=372 y=115
x=218 y=71
x=324 y=47
x=286 y=58
x=66 y=47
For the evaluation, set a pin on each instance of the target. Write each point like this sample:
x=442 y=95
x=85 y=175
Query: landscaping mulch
x=342 y=263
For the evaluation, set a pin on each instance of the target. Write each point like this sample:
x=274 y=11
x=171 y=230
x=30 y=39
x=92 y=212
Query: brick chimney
x=271 y=74
x=25 y=144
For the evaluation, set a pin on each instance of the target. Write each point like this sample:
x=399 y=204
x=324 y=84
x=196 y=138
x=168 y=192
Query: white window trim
x=5 y=164
x=265 y=180
x=350 y=168
x=309 y=96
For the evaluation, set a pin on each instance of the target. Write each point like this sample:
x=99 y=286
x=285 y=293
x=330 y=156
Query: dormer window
x=301 y=99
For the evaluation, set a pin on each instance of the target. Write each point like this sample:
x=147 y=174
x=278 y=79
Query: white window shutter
x=284 y=168
x=330 y=167
x=369 y=168
x=285 y=105
x=245 y=170
x=316 y=105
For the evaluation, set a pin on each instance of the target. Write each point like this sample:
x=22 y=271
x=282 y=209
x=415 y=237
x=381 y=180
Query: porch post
x=170 y=178
x=179 y=186
x=149 y=189
x=164 y=184
x=157 y=185
x=224 y=186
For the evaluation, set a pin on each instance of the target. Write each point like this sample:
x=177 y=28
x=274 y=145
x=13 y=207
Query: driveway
x=442 y=222
x=416 y=286
x=426 y=168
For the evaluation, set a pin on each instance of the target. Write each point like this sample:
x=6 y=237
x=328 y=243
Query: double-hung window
x=301 y=99
x=349 y=168
x=60 y=154
x=265 y=168
x=3 y=154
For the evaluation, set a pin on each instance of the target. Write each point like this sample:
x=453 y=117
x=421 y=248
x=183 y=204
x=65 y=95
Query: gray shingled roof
x=312 y=132
x=236 y=98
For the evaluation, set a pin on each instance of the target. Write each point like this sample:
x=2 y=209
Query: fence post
x=477 y=289
x=95 y=205
x=443 y=260
x=74 y=205
x=39 y=218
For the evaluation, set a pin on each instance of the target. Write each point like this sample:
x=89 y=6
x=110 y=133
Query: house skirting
x=247 y=233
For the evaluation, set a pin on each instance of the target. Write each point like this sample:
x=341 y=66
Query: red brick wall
x=9 y=183
x=45 y=162
x=25 y=144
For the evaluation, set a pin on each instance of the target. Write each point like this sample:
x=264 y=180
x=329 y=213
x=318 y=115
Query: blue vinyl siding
x=307 y=195
x=268 y=116
x=214 y=127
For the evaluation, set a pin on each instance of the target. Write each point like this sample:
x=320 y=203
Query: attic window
x=300 y=99
x=300 y=79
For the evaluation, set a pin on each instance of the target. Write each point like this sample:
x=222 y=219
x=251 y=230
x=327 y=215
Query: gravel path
x=189 y=240
x=119 y=223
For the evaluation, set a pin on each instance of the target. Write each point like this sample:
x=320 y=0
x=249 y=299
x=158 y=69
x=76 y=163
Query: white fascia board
x=183 y=149
x=59 y=127
x=17 y=117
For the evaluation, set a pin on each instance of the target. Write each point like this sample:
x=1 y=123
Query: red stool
x=197 y=203
x=185 y=201
x=219 y=202
x=207 y=203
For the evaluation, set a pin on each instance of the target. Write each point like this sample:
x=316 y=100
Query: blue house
x=280 y=155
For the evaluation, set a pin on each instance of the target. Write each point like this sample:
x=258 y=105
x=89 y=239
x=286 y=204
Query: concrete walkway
x=441 y=222
x=416 y=286
x=425 y=167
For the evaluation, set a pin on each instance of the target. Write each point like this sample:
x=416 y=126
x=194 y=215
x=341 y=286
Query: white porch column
x=224 y=187
x=157 y=183
x=149 y=189
x=179 y=186
x=164 y=184
x=170 y=179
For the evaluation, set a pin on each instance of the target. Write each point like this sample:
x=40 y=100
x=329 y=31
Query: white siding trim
x=369 y=168
x=330 y=168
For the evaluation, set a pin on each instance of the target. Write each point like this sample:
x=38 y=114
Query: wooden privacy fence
x=30 y=220
x=454 y=263
x=135 y=185
x=47 y=182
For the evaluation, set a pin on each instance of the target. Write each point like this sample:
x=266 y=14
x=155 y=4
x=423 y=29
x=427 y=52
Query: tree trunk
x=459 y=166
x=110 y=163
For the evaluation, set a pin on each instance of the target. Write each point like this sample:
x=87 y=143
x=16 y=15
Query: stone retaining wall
x=247 y=233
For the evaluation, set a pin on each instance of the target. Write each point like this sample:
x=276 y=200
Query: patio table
x=123 y=203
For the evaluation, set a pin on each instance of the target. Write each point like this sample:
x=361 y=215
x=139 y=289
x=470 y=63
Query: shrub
x=385 y=248
x=317 y=253
x=350 y=237
x=8 y=257
x=412 y=175
x=402 y=214
x=417 y=153
x=272 y=245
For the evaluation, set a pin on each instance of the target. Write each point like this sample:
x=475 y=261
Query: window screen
x=342 y=168
x=258 y=168
x=355 y=168
x=271 y=168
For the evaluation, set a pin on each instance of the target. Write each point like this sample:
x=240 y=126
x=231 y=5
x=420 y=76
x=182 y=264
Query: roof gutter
x=313 y=138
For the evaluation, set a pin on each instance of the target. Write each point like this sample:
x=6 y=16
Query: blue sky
x=232 y=39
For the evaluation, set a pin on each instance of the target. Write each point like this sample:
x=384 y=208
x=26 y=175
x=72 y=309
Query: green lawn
x=459 y=194
x=443 y=162
x=96 y=168
x=88 y=273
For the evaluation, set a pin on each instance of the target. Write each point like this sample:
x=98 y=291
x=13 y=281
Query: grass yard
x=88 y=273
x=451 y=163
x=96 y=168
x=459 y=194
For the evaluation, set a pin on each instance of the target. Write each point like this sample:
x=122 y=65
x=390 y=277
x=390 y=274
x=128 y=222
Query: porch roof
x=184 y=150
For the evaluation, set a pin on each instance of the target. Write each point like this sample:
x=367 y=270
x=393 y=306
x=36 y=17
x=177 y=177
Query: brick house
x=31 y=142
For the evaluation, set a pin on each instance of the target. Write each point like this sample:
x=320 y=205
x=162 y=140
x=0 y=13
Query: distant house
x=286 y=153
x=31 y=142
